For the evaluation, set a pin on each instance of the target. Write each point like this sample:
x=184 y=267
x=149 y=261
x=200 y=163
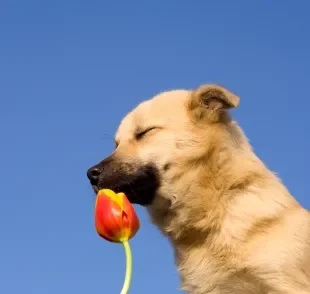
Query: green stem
x=128 y=274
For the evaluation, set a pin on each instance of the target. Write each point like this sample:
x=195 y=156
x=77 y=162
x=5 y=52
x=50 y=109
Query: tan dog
x=234 y=226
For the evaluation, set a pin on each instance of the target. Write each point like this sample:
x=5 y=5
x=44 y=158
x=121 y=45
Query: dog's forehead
x=156 y=111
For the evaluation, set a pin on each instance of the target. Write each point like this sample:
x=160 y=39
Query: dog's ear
x=211 y=101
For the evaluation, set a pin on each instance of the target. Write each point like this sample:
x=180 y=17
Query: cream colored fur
x=234 y=226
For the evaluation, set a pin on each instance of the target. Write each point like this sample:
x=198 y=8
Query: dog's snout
x=93 y=175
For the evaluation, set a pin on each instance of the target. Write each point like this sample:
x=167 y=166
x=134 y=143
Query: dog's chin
x=140 y=187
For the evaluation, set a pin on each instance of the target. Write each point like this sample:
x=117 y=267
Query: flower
x=115 y=218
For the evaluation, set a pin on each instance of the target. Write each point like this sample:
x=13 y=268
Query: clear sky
x=70 y=70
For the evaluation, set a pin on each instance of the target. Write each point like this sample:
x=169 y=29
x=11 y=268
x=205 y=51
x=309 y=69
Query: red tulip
x=115 y=217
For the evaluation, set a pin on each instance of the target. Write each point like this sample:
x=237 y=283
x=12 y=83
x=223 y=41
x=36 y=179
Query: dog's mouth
x=140 y=186
x=95 y=188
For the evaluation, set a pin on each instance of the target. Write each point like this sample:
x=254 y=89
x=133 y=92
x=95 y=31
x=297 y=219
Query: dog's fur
x=234 y=226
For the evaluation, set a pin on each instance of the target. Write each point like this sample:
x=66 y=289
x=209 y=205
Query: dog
x=234 y=227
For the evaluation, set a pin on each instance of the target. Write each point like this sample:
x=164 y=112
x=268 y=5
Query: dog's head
x=159 y=142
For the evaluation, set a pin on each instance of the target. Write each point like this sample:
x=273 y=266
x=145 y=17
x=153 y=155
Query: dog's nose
x=93 y=175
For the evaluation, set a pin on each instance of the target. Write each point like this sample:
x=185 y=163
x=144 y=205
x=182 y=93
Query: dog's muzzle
x=139 y=182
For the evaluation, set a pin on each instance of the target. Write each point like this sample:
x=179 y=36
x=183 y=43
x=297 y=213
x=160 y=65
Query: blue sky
x=70 y=70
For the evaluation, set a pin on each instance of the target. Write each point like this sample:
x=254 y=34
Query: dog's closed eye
x=140 y=133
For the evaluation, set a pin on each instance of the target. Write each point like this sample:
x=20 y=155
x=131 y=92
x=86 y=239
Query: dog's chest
x=215 y=275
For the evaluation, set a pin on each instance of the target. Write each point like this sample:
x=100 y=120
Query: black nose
x=93 y=175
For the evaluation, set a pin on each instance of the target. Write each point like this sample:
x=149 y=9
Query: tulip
x=115 y=217
x=116 y=221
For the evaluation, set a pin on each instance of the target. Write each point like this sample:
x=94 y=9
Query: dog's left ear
x=212 y=100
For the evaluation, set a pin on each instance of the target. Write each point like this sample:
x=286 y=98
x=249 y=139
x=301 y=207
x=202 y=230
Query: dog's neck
x=209 y=238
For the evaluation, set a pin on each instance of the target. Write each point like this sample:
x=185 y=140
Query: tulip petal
x=107 y=217
x=117 y=198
